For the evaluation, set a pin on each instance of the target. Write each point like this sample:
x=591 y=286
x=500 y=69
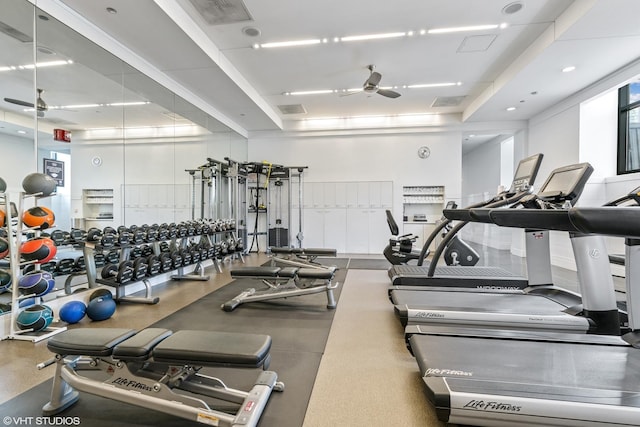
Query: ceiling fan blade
x=19 y=102
x=373 y=79
x=388 y=93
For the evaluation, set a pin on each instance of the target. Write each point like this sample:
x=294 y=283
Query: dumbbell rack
x=15 y=238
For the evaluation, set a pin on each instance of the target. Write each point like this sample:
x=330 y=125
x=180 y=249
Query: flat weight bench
x=300 y=257
x=146 y=369
x=283 y=282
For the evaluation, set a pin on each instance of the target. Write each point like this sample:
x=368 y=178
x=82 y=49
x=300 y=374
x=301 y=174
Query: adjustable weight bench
x=283 y=282
x=300 y=257
x=147 y=368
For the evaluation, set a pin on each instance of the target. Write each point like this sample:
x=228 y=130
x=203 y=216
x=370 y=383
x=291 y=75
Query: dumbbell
x=76 y=235
x=58 y=237
x=99 y=259
x=152 y=235
x=212 y=252
x=172 y=232
x=121 y=273
x=164 y=247
x=49 y=267
x=204 y=253
x=140 y=267
x=122 y=228
x=138 y=236
x=195 y=255
x=186 y=257
x=146 y=250
x=166 y=262
x=106 y=240
x=65 y=266
x=163 y=233
x=136 y=252
x=113 y=257
x=123 y=238
x=176 y=260
x=154 y=265
x=79 y=264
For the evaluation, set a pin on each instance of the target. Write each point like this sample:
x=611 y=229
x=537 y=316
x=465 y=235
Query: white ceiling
x=520 y=67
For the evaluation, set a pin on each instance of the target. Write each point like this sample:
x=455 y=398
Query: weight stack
x=279 y=237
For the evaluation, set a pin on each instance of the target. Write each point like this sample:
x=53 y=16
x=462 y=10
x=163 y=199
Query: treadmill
x=477 y=277
x=565 y=380
x=538 y=308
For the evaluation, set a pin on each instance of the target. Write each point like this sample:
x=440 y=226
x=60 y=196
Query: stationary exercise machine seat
x=400 y=248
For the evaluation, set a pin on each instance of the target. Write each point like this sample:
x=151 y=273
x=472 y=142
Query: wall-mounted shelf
x=97 y=204
x=421 y=209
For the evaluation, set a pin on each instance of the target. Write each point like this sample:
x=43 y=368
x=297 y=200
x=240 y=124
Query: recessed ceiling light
x=43 y=17
x=251 y=31
x=22 y=132
x=372 y=36
x=463 y=29
x=288 y=43
x=511 y=108
x=512 y=8
x=568 y=69
x=111 y=10
x=427 y=85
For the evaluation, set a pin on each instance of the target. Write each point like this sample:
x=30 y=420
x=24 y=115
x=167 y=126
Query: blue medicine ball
x=101 y=308
x=37 y=317
x=35 y=283
x=73 y=311
x=26 y=302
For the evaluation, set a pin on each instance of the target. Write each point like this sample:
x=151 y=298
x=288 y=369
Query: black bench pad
x=202 y=348
x=315 y=273
x=139 y=346
x=88 y=342
x=264 y=272
x=319 y=251
x=284 y=250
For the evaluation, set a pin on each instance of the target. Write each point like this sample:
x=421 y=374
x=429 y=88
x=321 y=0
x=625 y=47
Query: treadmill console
x=526 y=173
x=565 y=184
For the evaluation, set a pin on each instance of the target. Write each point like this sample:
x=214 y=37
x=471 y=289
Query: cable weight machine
x=271 y=205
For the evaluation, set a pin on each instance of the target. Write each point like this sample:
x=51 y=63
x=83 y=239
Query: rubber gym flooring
x=299 y=328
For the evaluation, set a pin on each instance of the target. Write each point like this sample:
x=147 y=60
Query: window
x=629 y=128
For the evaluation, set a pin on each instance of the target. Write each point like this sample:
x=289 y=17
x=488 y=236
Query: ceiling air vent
x=292 y=109
x=16 y=34
x=216 y=12
x=447 y=101
x=476 y=43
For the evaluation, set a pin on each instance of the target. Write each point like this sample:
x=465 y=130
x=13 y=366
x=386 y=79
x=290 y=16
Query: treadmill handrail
x=502 y=199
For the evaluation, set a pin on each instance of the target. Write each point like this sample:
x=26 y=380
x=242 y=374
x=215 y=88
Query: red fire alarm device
x=61 y=135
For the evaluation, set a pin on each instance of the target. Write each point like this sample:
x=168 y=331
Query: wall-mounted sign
x=55 y=169
x=62 y=135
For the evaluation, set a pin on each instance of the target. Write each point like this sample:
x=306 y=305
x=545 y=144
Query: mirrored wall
x=121 y=144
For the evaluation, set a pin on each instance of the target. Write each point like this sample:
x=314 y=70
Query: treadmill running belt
x=492 y=381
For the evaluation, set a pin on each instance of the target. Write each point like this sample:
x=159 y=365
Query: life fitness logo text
x=481 y=405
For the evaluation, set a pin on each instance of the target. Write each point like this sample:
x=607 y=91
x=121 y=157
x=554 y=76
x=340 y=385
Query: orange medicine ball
x=39 y=249
x=3 y=217
x=38 y=217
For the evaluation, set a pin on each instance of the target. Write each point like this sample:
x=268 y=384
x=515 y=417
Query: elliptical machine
x=400 y=248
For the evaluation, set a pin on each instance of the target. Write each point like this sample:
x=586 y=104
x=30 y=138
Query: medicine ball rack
x=14 y=236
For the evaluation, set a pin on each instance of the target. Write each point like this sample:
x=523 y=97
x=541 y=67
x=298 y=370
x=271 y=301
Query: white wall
x=367 y=158
x=19 y=160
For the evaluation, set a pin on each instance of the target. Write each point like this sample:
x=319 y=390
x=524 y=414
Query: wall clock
x=424 y=152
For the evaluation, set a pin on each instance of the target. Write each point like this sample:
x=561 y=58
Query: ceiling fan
x=371 y=84
x=40 y=106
